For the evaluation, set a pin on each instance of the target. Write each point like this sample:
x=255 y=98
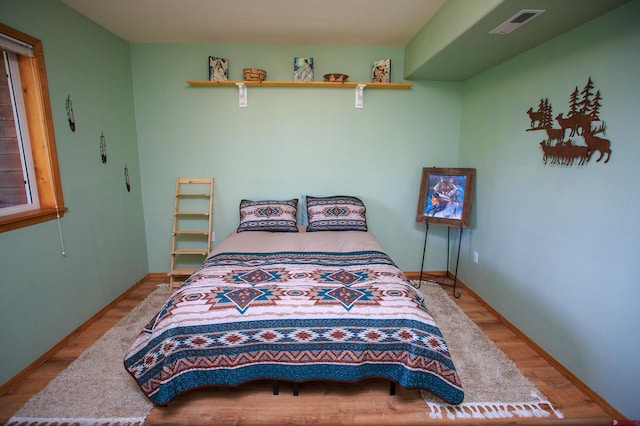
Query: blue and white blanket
x=293 y=316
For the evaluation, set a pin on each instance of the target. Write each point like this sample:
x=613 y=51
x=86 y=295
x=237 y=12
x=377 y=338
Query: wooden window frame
x=43 y=143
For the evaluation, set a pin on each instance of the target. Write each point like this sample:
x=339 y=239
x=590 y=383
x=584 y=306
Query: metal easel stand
x=441 y=280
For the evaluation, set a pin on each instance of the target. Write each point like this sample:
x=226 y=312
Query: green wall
x=44 y=296
x=557 y=245
x=290 y=141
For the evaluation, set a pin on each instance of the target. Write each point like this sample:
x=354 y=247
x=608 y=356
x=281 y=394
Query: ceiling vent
x=516 y=21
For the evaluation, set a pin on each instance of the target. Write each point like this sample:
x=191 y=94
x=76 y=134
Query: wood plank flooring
x=365 y=403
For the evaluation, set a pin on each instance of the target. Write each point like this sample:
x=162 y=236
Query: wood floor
x=365 y=403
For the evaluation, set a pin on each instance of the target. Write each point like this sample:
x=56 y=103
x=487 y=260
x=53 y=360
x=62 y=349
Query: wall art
x=218 y=69
x=446 y=196
x=302 y=69
x=575 y=140
x=381 y=71
x=127 y=182
x=70 y=115
x=103 y=148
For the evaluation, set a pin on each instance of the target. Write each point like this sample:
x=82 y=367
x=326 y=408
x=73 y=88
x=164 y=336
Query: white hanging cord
x=63 y=251
x=46 y=148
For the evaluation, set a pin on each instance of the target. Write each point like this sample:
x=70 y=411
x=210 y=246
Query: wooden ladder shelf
x=192 y=224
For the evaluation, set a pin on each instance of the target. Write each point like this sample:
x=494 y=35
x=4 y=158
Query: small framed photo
x=381 y=71
x=446 y=196
x=218 y=69
x=302 y=69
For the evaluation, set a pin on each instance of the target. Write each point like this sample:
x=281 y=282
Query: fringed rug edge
x=493 y=410
x=119 y=421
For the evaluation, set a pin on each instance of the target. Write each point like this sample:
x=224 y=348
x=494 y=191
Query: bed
x=283 y=302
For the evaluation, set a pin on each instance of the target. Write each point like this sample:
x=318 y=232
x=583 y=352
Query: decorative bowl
x=254 y=74
x=341 y=78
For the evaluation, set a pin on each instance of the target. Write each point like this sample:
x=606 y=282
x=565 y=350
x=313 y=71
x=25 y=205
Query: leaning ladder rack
x=192 y=224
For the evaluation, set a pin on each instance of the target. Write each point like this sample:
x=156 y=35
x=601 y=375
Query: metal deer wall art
x=575 y=140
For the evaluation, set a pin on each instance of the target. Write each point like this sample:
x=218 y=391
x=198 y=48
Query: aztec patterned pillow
x=268 y=215
x=338 y=213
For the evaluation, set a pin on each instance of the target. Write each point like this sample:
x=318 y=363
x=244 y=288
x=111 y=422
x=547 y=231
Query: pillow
x=338 y=213
x=304 y=218
x=268 y=215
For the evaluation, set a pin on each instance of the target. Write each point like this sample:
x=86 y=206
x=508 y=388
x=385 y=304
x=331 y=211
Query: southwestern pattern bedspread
x=293 y=316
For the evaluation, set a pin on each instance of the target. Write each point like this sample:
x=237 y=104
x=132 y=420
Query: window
x=30 y=186
x=18 y=191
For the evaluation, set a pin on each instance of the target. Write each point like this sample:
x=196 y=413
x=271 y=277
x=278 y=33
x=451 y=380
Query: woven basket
x=335 y=77
x=254 y=74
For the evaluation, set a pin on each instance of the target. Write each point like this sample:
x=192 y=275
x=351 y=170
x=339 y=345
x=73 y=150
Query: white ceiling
x=338 y=22
x=457 y=43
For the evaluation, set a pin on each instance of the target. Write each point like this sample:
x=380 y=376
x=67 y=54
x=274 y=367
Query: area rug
x=493 y=385
x=96 y=389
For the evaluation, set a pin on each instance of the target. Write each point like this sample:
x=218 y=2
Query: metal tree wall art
x=580 y=127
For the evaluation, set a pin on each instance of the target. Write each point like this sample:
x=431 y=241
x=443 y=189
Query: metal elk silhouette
x=584 y=112
x=595 y=143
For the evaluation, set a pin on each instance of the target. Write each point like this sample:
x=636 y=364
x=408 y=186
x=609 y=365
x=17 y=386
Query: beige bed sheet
x=324 y=241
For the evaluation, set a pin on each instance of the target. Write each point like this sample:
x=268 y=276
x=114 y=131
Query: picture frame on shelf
x=381 y=71
x=446 y=196
x=218 y=69
x=302 y=69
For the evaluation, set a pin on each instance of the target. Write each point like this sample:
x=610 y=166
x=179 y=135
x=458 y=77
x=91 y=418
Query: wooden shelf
x=275 y=83
x=202 y=252
x=193 y=194
x=192 y=214
x=182 y=272
x=190 y=233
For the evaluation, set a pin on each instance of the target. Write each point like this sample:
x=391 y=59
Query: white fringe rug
x=494 y=387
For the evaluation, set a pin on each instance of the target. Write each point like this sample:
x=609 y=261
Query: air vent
x=516 y=21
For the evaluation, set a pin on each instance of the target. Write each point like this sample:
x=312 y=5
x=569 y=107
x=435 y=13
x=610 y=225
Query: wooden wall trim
x=14 y=381
x=544 y=354
x=411 y=275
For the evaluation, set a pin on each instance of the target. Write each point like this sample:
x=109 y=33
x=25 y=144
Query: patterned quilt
x=292 y=316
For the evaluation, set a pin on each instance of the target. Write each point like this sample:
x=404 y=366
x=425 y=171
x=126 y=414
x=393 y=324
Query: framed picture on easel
x=446 y=196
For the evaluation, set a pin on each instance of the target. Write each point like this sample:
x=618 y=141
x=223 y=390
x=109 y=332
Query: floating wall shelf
x=274 y=83
x=242 y=86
